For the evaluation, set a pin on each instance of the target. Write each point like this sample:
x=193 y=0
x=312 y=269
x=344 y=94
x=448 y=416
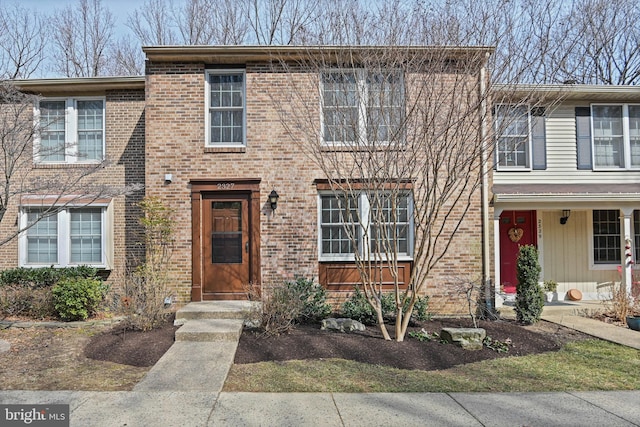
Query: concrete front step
x=214 y=310
x=207 y=330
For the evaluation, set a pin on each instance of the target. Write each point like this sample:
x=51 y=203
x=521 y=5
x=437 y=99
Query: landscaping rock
x=342 y=325
x=467 y=338
x=4 y=346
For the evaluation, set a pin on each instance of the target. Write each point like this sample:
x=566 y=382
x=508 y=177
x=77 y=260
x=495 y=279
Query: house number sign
x=225 y=185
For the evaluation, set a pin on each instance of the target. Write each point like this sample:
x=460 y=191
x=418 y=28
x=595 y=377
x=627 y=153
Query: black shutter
x=538 y=139
x=583 y=138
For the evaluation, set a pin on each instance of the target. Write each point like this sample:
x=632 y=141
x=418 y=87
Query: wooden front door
x=226 y=247
x=517 y=228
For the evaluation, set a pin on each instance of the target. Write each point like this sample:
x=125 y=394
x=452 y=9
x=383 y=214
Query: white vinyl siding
x=561 y=158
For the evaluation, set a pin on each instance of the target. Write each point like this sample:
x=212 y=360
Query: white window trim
x=207 y=103
x=525 y=168
x=364 y=206
x=592 y=263
x=626 y=141
x=70 y=130
x=64 y=237
x=363 y=95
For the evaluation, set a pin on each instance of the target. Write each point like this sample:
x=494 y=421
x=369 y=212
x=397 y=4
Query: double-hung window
x=616 y=136
x=71 y=236
x=513 y=136
x=606 y=237
x=374 y=224
x=71 y=130
x=225 y=99
x=362 y=107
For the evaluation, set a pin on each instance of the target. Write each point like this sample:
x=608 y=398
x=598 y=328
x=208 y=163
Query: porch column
x=628 y=255
x=496 y=254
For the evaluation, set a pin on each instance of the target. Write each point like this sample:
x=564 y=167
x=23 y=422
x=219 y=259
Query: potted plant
x=550 y=287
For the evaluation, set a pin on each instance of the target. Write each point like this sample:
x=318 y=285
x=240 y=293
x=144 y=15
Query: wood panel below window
x=343 y=277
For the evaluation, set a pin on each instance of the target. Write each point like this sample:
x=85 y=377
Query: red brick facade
x=161 y=130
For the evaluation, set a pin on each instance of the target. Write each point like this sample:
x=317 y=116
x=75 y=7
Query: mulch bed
x=129 y=347
x=309 y=342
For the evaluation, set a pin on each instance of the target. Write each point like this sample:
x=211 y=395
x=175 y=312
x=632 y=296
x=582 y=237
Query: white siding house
x=567 y=179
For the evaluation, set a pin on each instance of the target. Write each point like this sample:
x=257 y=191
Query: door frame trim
x=202 y=187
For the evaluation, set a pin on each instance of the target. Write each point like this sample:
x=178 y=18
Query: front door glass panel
x=226 y=234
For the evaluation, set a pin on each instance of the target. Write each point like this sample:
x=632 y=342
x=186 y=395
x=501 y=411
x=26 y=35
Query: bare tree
x=17 y=151
x=604 y=42
x=280 y=22
x=23 y=38
x=152 y=23
x=82 y=39
x=403 y=152
x=127 y=58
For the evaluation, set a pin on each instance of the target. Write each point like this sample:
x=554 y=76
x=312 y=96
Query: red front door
x=517 y=228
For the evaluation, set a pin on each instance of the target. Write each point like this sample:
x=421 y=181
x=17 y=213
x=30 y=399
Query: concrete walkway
x=184 y=389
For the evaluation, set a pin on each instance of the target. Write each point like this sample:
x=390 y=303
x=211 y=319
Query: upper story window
x=362 y=108
x=71 y=130
x=370 y=223
x=225 y=108
x=616 y=136
x=512 y=136
x=72 y=236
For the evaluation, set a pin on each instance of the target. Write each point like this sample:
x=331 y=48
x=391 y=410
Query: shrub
x=27 y=291
x=313 y=297
x=146 y=285
x=358 y=308
x=23 y=300
x=529 y=295
x=45 y=276
x=281 y=307
x=77 y=298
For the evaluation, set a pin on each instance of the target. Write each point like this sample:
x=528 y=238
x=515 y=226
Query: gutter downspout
x=486 y=271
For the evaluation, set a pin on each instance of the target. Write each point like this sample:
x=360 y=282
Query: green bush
x=313 y=297
x=27 y=291
x=77 y=298
x=529 y=294
x=45 y=276
x=358 y=308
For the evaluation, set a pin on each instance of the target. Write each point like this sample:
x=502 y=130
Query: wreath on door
x=515 y=234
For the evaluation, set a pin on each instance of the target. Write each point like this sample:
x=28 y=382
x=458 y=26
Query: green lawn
x=579 y=366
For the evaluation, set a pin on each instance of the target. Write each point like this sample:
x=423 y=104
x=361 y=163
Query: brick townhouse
x=211 y=132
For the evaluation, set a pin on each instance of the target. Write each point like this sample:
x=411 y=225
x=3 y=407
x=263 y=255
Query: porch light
x=273 y=199
x=565 y=216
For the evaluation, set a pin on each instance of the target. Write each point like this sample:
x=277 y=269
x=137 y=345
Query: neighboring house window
x=606 y=237
x=349 y=224
x=362 y=108
x=225 y=108
x=70 y=131
x=616 y=136
x=73 y=236
x=512 y=131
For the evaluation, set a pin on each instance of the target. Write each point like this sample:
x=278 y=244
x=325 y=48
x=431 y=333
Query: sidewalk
x=184 y=389
x=107 y=409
